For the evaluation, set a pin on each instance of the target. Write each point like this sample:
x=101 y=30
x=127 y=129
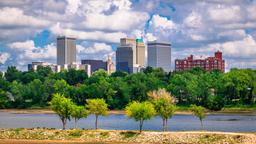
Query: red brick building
x=210 y=63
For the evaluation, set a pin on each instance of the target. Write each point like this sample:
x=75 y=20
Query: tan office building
x=130 y=55
x=66 y=50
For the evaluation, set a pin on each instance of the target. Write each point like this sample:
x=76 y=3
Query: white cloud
x=96 y=48
x=122 y=4
x=16 y=17
x=245 y=48
x=225 y=14
x=4 y=57
x=235 y=34
x=120 y=20
x=94 y=35
x=28 y=51
x=193 y=20
x=162 y=22
x=94 y=51
x=73 y=6
x=150 y=37
x=197 y=37
x=251 y=10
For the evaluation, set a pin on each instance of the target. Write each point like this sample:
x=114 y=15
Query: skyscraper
x=130 y=55
x=159 y=55
x=66 y=50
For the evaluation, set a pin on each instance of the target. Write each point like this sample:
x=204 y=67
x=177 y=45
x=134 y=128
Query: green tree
x=3 y=99
x=78 y=112
x=97 y=107
x=199 y=112
x=140 y=112
x=164 y=105
x=63 y=108
x=12 y=74
x=62 y=87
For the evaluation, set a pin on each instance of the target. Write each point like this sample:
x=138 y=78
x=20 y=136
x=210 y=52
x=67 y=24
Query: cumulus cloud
x=94 y=35
x=73 y=6
x=223 y=13
x=4 y=57
x=27 y=52
x=193 y=20
x=10 y=17
x=94 y=51
x=162 y=22
x=119 y=21
x=96 y=48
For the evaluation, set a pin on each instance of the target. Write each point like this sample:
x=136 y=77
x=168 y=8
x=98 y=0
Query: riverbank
x=178 y=112
x=32 y=136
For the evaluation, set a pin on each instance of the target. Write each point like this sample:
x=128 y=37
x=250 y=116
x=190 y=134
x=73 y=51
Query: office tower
x=130 y=55
x=110 y=65
x=208 y=64
x=140 y=53
x=159 y=55
x=66 y=50
x=95 y=64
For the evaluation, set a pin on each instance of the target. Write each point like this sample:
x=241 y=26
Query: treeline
x=212 y=90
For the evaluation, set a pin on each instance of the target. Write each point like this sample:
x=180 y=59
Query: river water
x=213 y=122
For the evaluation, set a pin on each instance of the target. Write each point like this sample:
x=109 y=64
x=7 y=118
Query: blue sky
x=200 y=27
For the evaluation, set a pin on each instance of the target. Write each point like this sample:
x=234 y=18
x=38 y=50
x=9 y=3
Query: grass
x=240 y=107
x=129 y=134
x=75 y=133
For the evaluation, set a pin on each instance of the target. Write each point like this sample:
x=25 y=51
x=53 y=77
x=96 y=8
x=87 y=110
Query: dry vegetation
x=108 y=136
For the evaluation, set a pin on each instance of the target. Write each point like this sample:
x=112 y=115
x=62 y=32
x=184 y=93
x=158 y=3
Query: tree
x=164 y=105
x=97 y=107
x=140 y=111
x=12 y=74
x=61 y=86
x=215 y=103
x=199 y=112
x=78 y=112
x=63 y=107
x=3 y=99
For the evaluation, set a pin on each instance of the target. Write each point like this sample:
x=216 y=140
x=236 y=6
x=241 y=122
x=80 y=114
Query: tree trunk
x=96 y=122
x=64 y=122
x=141 y=124
x=76 y=123
x=163 y=124
x=202 y=124
x=166 y=124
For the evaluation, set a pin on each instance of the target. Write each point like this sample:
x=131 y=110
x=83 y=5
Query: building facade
x=66 y=50
x=159 y=55
x=130 y=55
x=95 y=64
x=110 y=65
x=34 y=66
x=208 y=64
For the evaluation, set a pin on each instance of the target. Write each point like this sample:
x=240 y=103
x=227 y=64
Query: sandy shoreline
x=53 y=136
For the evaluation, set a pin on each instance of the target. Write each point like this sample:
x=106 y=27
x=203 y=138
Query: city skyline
x=194 y=27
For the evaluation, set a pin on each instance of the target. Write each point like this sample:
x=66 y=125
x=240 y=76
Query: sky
x=28 y=28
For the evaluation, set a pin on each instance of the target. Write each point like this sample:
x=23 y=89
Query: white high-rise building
x=159 y=55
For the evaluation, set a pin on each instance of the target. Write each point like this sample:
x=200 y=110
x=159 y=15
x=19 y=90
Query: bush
x=215 y=103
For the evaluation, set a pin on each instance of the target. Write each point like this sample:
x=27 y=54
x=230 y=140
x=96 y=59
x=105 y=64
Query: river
x=213 y=122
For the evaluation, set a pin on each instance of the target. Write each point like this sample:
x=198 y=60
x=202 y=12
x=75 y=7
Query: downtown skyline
x=29 y=28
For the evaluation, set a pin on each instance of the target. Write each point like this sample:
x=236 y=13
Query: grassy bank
x=107 y=136
x=181 y=109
